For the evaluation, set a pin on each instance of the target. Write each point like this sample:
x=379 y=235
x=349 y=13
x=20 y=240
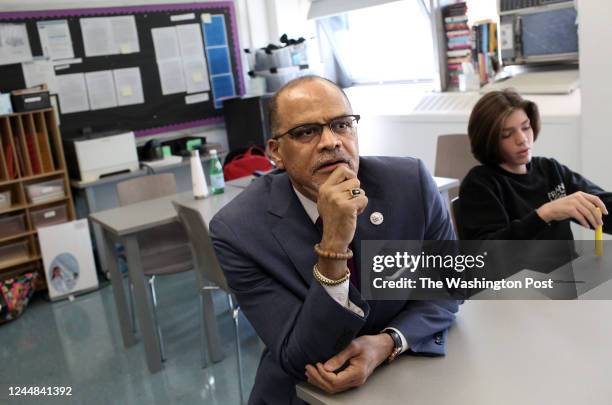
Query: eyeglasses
x=341 y=126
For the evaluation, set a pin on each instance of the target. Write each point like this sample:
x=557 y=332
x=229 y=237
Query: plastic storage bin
x=277 y=58
x=14 y=251
x=276 y=78
x=45 y=191
x=11 y=225
x=292 y=55
x=55 y=214
x=5 y=199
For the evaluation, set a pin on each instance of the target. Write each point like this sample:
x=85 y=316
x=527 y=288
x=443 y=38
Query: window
x=386 y=43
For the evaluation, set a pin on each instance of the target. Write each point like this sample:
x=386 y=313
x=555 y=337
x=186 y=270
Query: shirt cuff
x=404 y=341
x=340 y=294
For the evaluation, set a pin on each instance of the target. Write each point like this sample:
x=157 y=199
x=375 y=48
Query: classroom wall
x=595 y=66
x=213 y=133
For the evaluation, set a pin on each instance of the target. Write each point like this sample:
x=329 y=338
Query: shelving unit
x=31 y=154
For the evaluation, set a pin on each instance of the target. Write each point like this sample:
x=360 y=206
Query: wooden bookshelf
x=31 y=153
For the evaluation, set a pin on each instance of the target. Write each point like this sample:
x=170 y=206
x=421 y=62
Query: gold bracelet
x=333 y=255
x=328 y=281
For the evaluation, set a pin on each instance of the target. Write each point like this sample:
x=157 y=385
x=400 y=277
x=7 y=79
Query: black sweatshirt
x=497 y=204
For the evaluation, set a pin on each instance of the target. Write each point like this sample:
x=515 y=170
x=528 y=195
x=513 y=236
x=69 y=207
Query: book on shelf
x=10 y=161
x=458 y=43
x=32 y=153
x=475 y=44
x=19 y=155
x=485 y=49
x=461 y=33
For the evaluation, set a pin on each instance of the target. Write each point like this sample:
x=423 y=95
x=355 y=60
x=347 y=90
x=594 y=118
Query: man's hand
x=339 y=210
x=580 y=206
x=363 y=355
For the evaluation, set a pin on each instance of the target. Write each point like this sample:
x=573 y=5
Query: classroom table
x=100 y=195
x=122 y=224
x=503 y=353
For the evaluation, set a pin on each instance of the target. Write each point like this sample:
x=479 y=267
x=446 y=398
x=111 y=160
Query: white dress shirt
x=339 y=292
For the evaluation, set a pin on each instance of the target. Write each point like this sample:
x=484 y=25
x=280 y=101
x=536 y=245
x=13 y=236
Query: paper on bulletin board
x=128 y=86
x=197 y=98
x=182 y=17
x=179 y=51
x=190 y=41
x=55 y=39
x=194 y=64
x=97 y=36
x=40 y=71
x=165 y=43
x=124 y=34
x=171 y=76
x=14 y=44
x=72 y=91
x=109 y=35
x=67 y=258
x=101 y=89
x=196 y=75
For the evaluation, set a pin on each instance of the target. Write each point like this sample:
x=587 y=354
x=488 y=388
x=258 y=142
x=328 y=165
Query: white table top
x=502 y=353
x=137 y=217
x=445 y=183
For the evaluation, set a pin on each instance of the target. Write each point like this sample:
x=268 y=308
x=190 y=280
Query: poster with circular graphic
x=64 y=272
x=68 y=258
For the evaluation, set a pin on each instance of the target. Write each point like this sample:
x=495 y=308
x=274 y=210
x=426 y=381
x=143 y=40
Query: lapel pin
x=376 y=218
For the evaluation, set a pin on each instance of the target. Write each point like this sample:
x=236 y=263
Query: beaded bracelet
x=333 y=255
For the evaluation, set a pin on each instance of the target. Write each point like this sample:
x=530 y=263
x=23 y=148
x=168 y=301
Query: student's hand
x=339 y=210
x=363 y=355
x=579 y=206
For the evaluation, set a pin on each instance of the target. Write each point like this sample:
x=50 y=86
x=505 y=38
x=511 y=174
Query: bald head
x=277 y=99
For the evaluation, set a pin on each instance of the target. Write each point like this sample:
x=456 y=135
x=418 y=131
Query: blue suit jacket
x=264 y=242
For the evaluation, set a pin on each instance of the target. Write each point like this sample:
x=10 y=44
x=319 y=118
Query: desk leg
x=123 y=312
x=142 y=304
x=211 y=329
x=90 y=198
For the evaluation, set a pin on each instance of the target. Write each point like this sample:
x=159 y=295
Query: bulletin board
x=155 y=112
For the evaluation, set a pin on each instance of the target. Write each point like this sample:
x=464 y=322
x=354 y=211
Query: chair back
x=146 y=188
x=206 y=261
x=454 y=158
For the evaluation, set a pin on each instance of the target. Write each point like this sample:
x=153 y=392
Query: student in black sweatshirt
x=513 y=195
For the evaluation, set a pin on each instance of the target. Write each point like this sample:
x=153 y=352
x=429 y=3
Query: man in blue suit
x=302 y=299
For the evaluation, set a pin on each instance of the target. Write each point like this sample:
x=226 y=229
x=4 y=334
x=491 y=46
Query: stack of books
x=458 y=41
x=484 y=50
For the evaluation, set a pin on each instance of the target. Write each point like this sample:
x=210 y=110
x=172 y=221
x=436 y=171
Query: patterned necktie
x=350 y=263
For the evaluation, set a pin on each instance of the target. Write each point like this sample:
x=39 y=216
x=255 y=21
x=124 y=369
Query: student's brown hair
x=487 y=120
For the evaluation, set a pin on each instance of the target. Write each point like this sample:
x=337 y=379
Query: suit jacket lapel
x=293 y=230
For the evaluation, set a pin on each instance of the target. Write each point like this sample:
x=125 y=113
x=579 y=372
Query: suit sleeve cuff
x=340 y=294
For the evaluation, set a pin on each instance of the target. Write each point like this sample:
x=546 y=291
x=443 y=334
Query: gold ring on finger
x=354 y=192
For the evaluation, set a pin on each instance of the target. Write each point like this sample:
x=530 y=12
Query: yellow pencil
x=599 y=238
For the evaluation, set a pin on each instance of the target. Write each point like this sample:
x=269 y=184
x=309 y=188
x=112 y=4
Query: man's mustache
x=332 y=159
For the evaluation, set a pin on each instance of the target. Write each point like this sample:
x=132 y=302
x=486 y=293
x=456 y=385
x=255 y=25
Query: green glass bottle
x=217 y=181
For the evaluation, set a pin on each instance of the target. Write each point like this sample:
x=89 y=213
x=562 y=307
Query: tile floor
x=78 y=344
